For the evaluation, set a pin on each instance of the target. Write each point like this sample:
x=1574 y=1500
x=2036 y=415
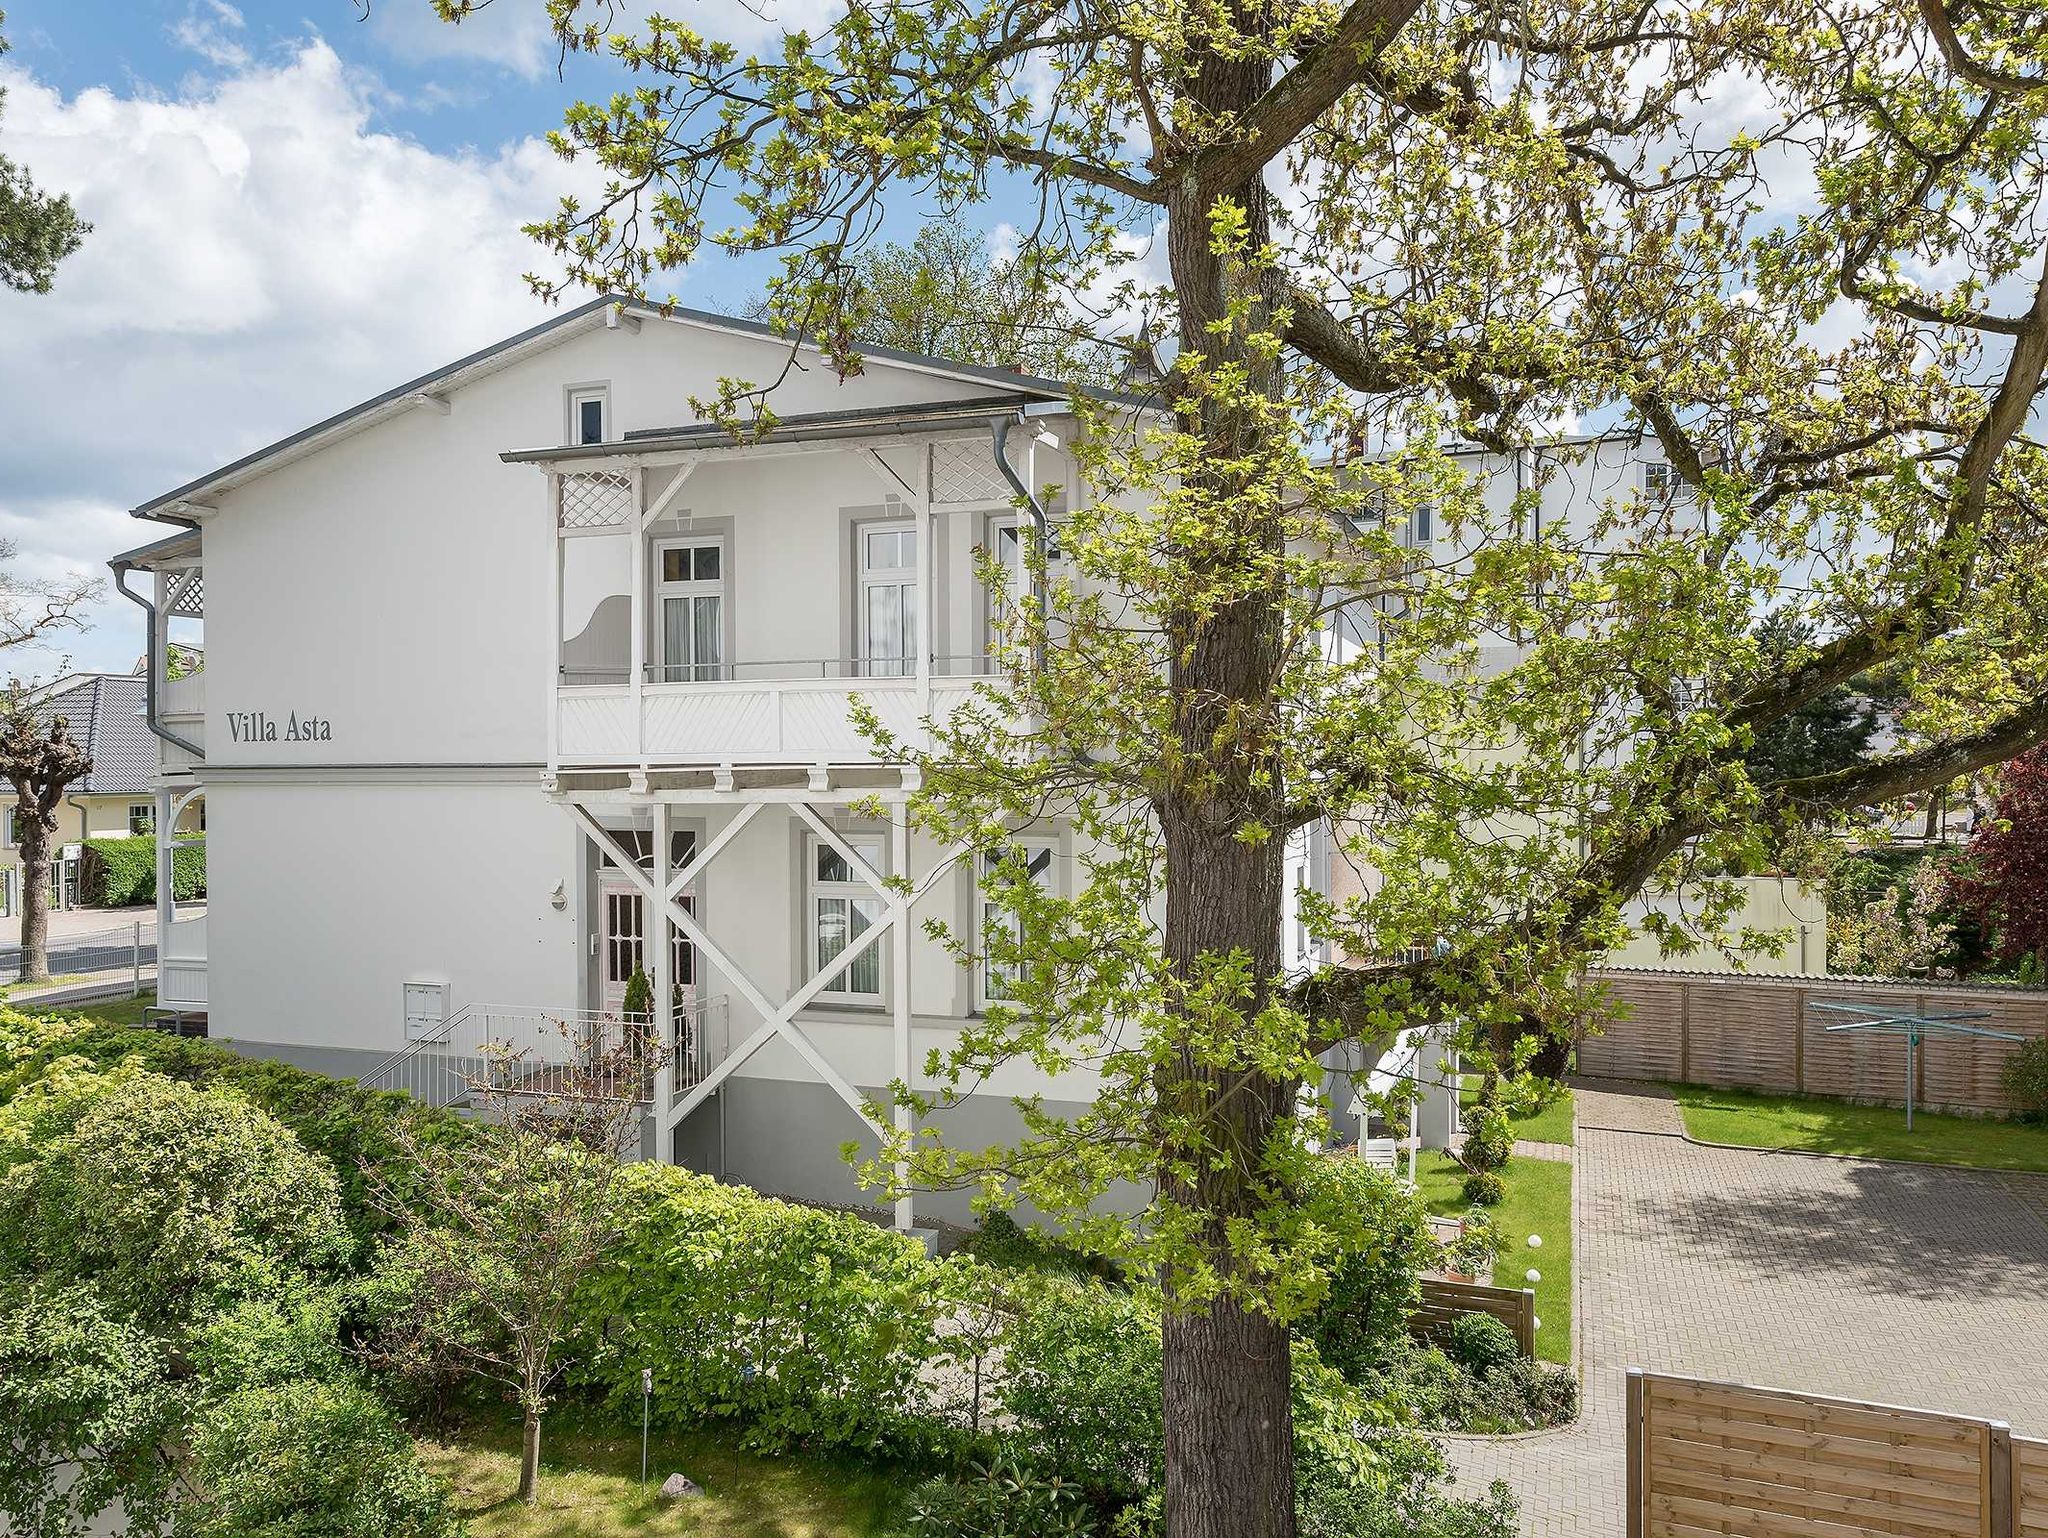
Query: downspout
x=150 y=716
x=999 y=430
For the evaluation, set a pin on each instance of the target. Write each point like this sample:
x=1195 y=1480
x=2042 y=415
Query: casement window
x=590 y=415
x=888 y=599
x=1422 y=527
x=690 y=590
x=1661 y=483
x=141 y=819
x=998 y=977
x=842 y=908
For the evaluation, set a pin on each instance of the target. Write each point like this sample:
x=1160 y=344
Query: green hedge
x=806 y=1326
x=121 y=872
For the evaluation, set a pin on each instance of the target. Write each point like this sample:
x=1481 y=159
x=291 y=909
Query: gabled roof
x=537 y=338
x=104 y=712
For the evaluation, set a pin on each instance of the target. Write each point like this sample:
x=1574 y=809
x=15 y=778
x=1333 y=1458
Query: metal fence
x=104 y=953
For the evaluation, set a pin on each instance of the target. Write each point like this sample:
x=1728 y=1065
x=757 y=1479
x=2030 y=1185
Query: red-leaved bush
x=2003 y=881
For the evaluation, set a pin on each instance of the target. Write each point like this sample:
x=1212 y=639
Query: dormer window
x=590 y=414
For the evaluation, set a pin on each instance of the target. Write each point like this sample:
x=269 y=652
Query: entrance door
x=622 y=946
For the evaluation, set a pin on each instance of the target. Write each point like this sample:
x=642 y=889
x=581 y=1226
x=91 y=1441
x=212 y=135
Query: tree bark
x=529 y=1458
x=35 y=898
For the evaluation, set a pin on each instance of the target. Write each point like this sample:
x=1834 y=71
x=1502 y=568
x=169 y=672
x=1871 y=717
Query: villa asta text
x=262 y=726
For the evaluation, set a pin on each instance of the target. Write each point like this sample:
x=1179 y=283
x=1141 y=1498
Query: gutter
x=150 y=716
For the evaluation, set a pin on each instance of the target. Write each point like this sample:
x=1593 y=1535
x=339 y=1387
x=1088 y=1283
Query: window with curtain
x=843 y=907
x=998 y=978
x=690 y=588
x=888 y=600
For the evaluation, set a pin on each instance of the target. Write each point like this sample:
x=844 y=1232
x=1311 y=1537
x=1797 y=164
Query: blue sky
x=296 y=207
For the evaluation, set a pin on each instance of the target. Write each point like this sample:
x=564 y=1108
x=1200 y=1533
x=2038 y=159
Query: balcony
x=752 y=713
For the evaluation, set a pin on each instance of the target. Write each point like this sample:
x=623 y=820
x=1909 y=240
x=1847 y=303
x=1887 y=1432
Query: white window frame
x=1662 y=483
x=854 y=892
x=870 y=578
x=148 y=811
x=692 y=589
x=578 y=397
x=986 y=914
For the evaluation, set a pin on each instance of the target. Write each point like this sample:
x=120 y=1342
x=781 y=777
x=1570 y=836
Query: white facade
x=517 y=668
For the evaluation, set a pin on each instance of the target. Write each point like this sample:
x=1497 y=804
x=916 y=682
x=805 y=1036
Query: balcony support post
x=925 y=629
x=167 y=809
x=665 y=1039
x=637 y=646
x=899 y=945
x=554 y=673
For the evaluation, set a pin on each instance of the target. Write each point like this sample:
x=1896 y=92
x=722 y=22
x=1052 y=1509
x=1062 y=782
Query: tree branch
x=1294 y=101
x=1983 y=76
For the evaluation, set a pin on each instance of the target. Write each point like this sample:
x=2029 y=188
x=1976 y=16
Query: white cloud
x=514 y=35
x=261 y=257
x=208 y=28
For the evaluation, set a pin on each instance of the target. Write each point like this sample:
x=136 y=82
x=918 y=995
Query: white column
x=166 y=906
x=554 y=668
x=899 y=947
x=657 y=921
x=925 y=629
x=637 y=647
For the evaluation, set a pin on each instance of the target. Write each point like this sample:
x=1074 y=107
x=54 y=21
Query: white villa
x=517 y=678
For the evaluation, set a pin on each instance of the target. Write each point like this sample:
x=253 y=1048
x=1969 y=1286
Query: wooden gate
x=1725 y=1458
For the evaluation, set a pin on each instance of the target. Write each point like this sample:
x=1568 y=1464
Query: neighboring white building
x=517 y=676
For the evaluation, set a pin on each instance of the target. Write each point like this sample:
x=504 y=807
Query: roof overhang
x=818 y=427
x=182 y=546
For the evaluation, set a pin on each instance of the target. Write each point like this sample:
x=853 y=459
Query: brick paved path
x=1874 y=1281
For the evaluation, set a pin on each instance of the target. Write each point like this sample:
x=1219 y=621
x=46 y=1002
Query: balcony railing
x=507 y=1050
x=755 y=712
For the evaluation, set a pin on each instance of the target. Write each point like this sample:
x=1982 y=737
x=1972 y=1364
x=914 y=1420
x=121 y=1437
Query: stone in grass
x=680 y=1487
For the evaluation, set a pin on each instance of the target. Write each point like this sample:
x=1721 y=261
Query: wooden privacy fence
x=1739 y=1032
x=1444 y=1301
x=1724 y=1458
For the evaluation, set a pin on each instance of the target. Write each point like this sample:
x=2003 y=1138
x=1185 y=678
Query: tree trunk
x=35 y=899
x=529 y=1458
x=1229 y=1425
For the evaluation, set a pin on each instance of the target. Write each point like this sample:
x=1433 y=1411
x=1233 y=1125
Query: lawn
x=590 y=1486
x=111 y=1011
x=1837 y=1127
x=1552 y=1123
x=1539 y=1201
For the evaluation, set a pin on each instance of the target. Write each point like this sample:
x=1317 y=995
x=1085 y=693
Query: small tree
x=40 y=761
x=507 y=1223
x=2003 y=882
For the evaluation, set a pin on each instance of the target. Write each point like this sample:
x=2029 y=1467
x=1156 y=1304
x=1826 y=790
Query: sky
x=296 y=205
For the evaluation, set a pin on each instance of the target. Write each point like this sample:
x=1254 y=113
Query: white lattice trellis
x=188 y=597
x=596 y=499
x=966 y=472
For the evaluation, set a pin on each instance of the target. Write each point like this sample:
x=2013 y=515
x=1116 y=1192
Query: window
x=1661 y=483
x=141 y=819
x=843 y=908
x=998 y=977
x=589 y=415
x=1422 y=527
x=888 y=599
x=690 y=588
x=12 y=826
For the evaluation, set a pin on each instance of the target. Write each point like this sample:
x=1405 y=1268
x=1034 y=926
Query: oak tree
x=1794 y=255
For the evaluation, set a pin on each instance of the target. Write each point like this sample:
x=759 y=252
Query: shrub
x=310 y=1459
x=1432 y=1390
x=1000 y=1499
x=2025 y=1079
x=172 y=1202
x=121 y=872
x=1083 y=1386
x=1480 y=1341
x=352 y=1128
x=807 y=1326
x=1484 y=1188
x=1385 y=1243
x=1406 y=1499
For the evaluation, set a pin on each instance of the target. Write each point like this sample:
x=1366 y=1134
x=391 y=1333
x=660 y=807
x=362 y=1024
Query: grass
x=23 y=992
x=109 y=1011
x=590 y=1486
x=1550 y=1123
x=1816 y=1125
x=1539 y=1201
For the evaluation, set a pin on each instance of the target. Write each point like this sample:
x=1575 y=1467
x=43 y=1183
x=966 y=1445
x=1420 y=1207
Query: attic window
x=589 y=410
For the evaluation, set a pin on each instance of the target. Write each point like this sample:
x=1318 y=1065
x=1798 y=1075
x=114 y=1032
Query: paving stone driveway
x=1890 y=1282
